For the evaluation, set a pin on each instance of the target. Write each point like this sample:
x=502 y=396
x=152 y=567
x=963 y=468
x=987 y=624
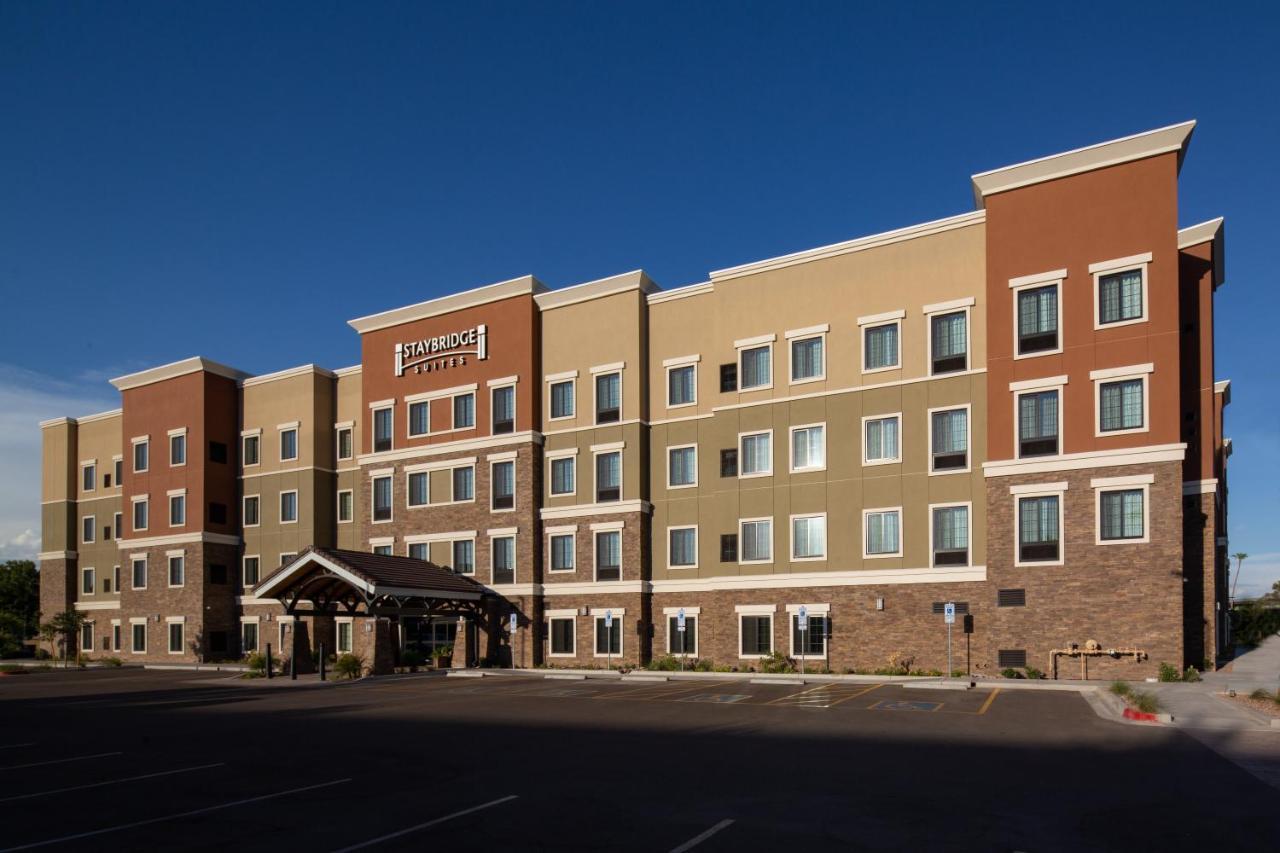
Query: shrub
x=442 y=652
x=412 y=659
x=1145 y=702
x=664 y=663
x=11 y=668
x=776 y=662
x=1010 y=672
x=1260 y=694
x=112 y=661
x=704 y=665
x=1192 y=674
x=257 y=662
x=1169 y=672
x=1121 y=688
x=349 y=666
x=1032 y=672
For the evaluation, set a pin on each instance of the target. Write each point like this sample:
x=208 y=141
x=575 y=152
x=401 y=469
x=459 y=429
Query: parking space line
x=795 y=697
x=862 y=692
x=192 y=813
x=657 y=693
x=430 y=823
x=111 y=782
x=698 y=839
x=60 y=761
x=990 y=699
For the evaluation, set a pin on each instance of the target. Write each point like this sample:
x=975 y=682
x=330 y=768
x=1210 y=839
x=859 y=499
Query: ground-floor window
x=757 y=635
x=682 y=643
x=115 y=638
x=139 y=638
x=344 y=638
x=812 y=642
x=175 y=638
x=424 y=635
x=248 y=637
x=608 y=640
x=86 y=637
x=562 y=640
x=464 y=556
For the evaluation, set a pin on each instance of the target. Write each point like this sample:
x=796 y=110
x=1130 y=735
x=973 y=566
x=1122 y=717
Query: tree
x=19 y=604
x=1240 y=557
x=66 y=625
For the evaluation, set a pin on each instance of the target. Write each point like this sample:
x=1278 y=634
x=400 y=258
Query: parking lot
x=132 y=759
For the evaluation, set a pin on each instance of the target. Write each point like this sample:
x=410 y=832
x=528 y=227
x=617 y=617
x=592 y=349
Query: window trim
x=759 y=611
x=596 y=452
x=1101 y=485
x=257 y=633
x=453 y=411
x=619 y=618
x=966 y=306
x=868 y=463
x=337 y=634
x=558 y=456
x=1109 y=376
x=968 y=425
x=795 y=336
x=875 y=321
x=84 y=466
x=598 y=530
x=133 y=446
x=244 y=584
x=92 y=527
x=133 y=575
x=596 y=375
x=453 y=498
x=741 y=539
x=747 y=345
x=117 y=631
x=1039 y=490
x=515 y=405
x=255 y=434
x=133 y=513
x=670 y=613
x=1140 y=262
x=791 y=448
x=169 y=622
x=811 y=610
x=572 y=532
x=389 y=475
x=694 y=484
x=87 y=571
x=338 y=430
x=866 y=540
x=280 y=506
x=494 y=535
x=1056 y=383
x=180 y=432
x=791 y=535
x=134 y=622
x=1057 y=278
x=741 y=455
x=968 y=505
x=374 y=409
x=337 y=510
x=570 y=379
x=177 y=493
x=244 y=502
x=408 y=491
x=696 y=546
x=408 y=418
x=281 y=430
x=494 y=463
x=680 y=363
x=169 y=557
x=570 y=616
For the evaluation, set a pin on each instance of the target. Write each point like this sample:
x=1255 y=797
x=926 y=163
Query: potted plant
x=443 y=656
x=411 y=660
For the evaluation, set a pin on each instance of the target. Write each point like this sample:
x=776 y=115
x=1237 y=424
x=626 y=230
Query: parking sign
x=680 y=620
x=804 y=618
x=608 y=618
x=514 y=621
x=949 y=613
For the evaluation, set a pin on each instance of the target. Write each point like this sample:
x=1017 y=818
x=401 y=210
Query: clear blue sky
x=238 y=179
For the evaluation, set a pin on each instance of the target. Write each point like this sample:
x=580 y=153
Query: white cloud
x=26 y=398
x=1260 y=571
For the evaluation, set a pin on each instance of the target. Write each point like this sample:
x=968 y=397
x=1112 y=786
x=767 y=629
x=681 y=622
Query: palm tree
x=1240 y=557
x=67 y=625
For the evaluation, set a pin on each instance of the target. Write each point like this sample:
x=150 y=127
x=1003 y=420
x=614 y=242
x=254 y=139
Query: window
x=880 y=347
x=287 y=557
x=346 y=511
x=141 y=458
x=757 y=540
x=344 y=637
x=140 y=515
x=464 y=411
x=809 y=537
x=729 y=462
x=250 y=513
x=608 y=640
x=757 y=635
x=756 y=367
x=382 y=441
x=382 y=550
x=1120 y=297
x=419 y=418
x=682 y=547
x=88 y=526
x=755 y=456
x=115 y=578
x=682 y=466
x=728 y=378
x=609 y=555
x=381 y=498
x=503 y=554
x=807 y=362
x=728 y=547
x=249 y=450
x=562 y=546
x=504 y=409
x=177 y=510
x=139 y=572
x=682 y=385
x=562 y=475
x=1039 y=529
x=86 y=637
x=177 y=570
x=88 y=581
x=948 y=342
x=950 y=535
x=175 y=638
x=562 y=399
x=608 y=398
x=1038 y=423
x=809 y=448
x=119 y=466
x=289 y=506
x=880 y=444
x=248 y=637
x=1121 y=405
x=562 y=636
x=89 y=477
x=118 y=518
x=419 y=551
x=1122 y=515
x=418 y=488
x=464 y=483
x=178 y=449
x=115 y=636
x=464 y=556
x=881 y=532
x=139 y=638
x=249 y=571
x=288 y=444
x=1037 y=313
x=609 y=476
x=346 y=446
x=682 y=642
x=949 y=440
x=812 y=642
x=503 y=476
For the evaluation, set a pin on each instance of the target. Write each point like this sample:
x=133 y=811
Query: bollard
x=322 y=661
x=268 y=661
x=293 y=668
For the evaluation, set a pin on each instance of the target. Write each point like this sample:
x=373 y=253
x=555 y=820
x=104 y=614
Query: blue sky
x=272 y=170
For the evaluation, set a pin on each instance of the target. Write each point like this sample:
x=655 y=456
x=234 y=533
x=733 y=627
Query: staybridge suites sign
x=443 y=351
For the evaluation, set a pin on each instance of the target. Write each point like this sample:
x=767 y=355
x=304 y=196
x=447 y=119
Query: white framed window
x=608 y=554
x=178 y=447
x=346 y=508
x=755 y=536
x=418 y=488
x=141 y=455
x=138 y=635
x=1121 y=399
x=88 y=581
x=808 y=537
x=608 y=640
x=141 y=513
x=682 y=546
x=251 y=511
x=502 y=485
x=948 y=330
x=1037 y=314
x=118 y=526
x=464 y=410
x=177 y=570
x=562 y=393
x=682 y=381
x=177 y=634
x=561 y=549
x=563 y=474
x=383 y=546
x=289 y=506
x=138 y=571
x=881 y=439
x=463 y=483
x=502 y=409
x=88 y=529
x=755 y=454
x=86 y=636
x=178 y=508
x=755 y=631
x=1122 y=506
x=808 y=448
x=812 y=642
x=502 y=558
x=608 y=397
x=608 y=465
x=288 y=443
x=116 y=639
x=383 y=428
x=561 y=631
x=1120 y=291
x=881 y=341
x=755 y=363
x=248 y=634
x=250 y=449
x=115 y=578
x=88 y=476
x=682 y=466
x=419 y=415
x=949 y=439
x=808 y=354
x=682 y=642
x=344 y=442
x=419 y=550
x=1039 y=519
x=380 y=507
x=950 y=532
x=250 y=570
x=345 y=635
x=463 y=552
x=117 y=463
x=1038 y=414
x=882 y=532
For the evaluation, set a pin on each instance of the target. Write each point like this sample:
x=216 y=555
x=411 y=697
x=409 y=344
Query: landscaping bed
x=1263 y=701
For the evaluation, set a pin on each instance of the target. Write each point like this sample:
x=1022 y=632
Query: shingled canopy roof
x=329 y=578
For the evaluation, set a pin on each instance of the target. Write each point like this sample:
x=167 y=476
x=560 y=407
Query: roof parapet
x=614 y=284
x=1214 y=230
x=176 y=369
x=522 y=286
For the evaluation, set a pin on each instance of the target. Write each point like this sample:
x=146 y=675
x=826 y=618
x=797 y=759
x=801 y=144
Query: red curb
x=1130 y=714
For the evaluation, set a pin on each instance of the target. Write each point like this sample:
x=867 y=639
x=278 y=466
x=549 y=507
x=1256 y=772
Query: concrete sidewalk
x=1201 y=705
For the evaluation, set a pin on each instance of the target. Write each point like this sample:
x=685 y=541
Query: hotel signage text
x=443 y=351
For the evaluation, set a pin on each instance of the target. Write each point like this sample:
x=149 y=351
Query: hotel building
x=1012 y=409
